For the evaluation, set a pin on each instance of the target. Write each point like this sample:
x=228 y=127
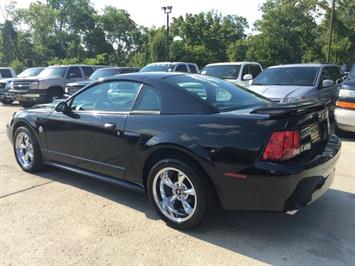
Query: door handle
x=110 y=126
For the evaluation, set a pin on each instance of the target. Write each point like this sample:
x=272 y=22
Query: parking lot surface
x=58 y=218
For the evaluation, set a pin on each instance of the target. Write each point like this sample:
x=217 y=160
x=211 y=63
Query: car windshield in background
x=53 y=72
x=30 y=72
x=222 y=71
x=101 y=73
x=221 y=94
x=156 y=68
x=291 y=76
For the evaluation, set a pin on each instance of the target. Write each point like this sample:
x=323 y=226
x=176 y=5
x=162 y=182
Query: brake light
x=348 y=105
x=283 y=145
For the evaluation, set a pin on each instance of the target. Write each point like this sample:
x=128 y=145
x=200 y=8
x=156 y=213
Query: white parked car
x=345 y=106
x=239 y=73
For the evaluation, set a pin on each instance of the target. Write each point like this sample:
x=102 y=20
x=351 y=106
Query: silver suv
x=299 y=82
x=48 y=85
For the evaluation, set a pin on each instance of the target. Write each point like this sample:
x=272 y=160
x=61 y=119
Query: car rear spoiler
x=293 y=108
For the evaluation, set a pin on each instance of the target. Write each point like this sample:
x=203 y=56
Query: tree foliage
x=72 y=31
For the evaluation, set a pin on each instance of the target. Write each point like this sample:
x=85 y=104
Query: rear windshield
x=53 y=72
x=101 y=73
x=157 y=67
x=291 y=76
x=222 y=71
x=221 y=94
x=30 y=72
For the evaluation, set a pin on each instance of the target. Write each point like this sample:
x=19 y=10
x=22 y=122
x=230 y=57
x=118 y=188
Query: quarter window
x=116 y=96
x=181 y=68
x=87 y=71
x=74 y=72
x=192 y=68
x=148 y=100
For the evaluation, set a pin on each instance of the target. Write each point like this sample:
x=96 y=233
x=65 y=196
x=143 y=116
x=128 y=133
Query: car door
x=91 y=135
x=74 y=74
x=328 y=92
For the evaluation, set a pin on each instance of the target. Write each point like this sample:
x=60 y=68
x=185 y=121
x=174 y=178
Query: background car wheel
x=179 y=193
x=27 y=151
x=26 y=104
x=7 y=101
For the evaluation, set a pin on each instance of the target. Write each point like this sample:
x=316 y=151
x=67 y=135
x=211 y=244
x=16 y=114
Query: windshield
x=222 y=71
x=221 y=94
x=30 y=72
x=157 y=67
x=53 y=72
x=292 y=76
x=101 y=73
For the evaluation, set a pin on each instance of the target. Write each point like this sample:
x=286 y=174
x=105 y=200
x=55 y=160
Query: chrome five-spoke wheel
x=174 y=194
x=24 y=150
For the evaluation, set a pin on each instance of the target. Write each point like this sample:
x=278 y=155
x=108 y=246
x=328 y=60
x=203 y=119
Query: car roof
x=304 y=65
x=140 y=76
x=232 y=63
x=170 y=63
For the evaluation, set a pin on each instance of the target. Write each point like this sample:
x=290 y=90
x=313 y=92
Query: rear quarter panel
x=217 y=142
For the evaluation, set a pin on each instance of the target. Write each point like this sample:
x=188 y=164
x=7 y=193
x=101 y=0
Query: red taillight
x=283 y=145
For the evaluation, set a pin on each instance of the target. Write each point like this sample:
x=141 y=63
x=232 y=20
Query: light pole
x=167 y=11
x=331 y=30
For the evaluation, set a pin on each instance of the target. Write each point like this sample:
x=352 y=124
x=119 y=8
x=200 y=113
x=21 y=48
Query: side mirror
x=248 y=77
x=63 y=108
x=327 y=83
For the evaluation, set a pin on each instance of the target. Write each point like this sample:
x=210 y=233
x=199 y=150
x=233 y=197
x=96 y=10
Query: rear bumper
x=345 y=119
x=280 y=187
x=33 y=96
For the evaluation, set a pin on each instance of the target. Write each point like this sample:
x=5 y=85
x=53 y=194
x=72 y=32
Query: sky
x=149 y=13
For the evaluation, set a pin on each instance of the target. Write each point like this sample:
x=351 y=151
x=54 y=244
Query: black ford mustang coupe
x=190 y=141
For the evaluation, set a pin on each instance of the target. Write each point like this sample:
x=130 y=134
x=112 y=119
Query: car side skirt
x=96 y=176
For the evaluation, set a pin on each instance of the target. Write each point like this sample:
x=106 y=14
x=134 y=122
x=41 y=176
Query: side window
x=148 y=100
x=5 y=73
x=74 y=72
x=326 y=74
x=192 y=68
x=246 y=70
x=336 y=74
x=181 y=68
x=87 y=71
x=115 y=96
x=256 y=69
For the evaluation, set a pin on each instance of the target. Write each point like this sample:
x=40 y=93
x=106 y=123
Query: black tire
x=37 y=162
x=203 y=191
x=7 y=101
x=54 y=94
x=26 y=104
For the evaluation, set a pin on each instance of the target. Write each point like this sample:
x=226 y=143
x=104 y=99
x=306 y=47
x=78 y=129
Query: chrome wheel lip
x=178 y=194
x=24 y=150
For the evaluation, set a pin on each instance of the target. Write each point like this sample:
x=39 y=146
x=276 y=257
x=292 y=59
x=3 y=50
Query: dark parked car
x=74 y=87
x=190 y=141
